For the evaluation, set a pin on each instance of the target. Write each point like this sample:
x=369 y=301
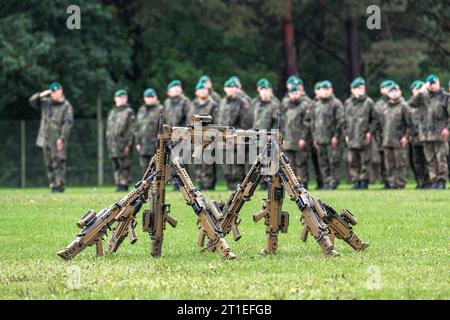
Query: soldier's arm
x=188 y=109
x=67 y=123
x=371 y=107
x=137 y=132
x=35 y=100
x=417 y=101
x=340 y=120
x=407 y=119
x=129 y=132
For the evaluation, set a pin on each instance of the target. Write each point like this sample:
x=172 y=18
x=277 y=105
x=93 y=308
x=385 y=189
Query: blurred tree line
x=137 y=44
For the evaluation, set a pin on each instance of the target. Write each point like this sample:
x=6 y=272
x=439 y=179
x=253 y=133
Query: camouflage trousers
x=359 y=163
x=299 y=163
x=315 y=162
x=436 y=157
x=205 y=175
x=418 y=164
x=329 y=164
x=395 y=160
x=55 y=162
x=122 y=170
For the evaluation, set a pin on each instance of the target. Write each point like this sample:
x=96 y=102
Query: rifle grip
x=258 y=216
x=99 y=247
x=236 y=232
x=171 y=220
x=304 y=234
x=201 y=239
x=132 y=235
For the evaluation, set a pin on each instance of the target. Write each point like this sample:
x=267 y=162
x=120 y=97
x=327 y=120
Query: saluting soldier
x=54 y=132
x=119 y=135
x=327 y=123
x=417 y=155
x=147 y=125
x=396 y=132
x=358 y=133
x=434 y=128
x=234 y=112
x=176 y=106
x=297 y=127
x=204 y=103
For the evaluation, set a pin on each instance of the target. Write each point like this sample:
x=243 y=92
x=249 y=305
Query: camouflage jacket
x=215 y=96
x=146 y=129
x=246 y=118
x=56 y=121
x=327 y=119
x=209 y=107
x=433 y=116
x=395 y=123
x=234 y=112
x=265 y=114
x=284 y=107
x=413 y=114
x=358 y=120
x=378 y=108
x=120 y=130
x=176 y=110
x=296 y=122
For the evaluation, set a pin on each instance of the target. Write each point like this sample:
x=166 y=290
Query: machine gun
x=95 y=225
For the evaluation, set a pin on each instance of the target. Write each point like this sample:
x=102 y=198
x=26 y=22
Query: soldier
x=296 y=131
x=213 y=94
x=395 y=124
x=327 y=119
x=377 y=149
x=54 y=131
x=417 y=155
x=310 y=141
x=205 y=104
x=119 y=135
x=358 y=135
x=234 y=109
x=176 y=106
x=147 y=127
x=265 y=107
x=434 y=127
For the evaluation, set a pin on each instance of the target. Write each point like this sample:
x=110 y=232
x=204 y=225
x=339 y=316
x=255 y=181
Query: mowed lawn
x=408 y=257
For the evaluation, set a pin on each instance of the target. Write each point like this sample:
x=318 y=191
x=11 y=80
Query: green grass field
x=408 y=257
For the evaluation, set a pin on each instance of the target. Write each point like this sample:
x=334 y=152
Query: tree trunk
x=354 y=61
x=289 y=40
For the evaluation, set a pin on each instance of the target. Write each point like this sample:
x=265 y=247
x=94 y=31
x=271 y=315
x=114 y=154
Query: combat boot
x=364 y=184
x=357 y=185
x=440 y=185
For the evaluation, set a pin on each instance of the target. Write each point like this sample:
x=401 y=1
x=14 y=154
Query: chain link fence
x=22 y=162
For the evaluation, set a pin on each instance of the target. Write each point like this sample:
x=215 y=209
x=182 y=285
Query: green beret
x=150 y=92
x=393 y=86
x=265 y=84
x=204 y=78
x=120 y=92
x=201 y=85
x=358 y=82
x=432 y=78
x=261 y=81
x=386 y=83
x=230 y=83
x=236 y=80
x=325 y=84
x=292 y=79
x=173 y=84
x=317 y=85
x=54 y=86
x=416 y=84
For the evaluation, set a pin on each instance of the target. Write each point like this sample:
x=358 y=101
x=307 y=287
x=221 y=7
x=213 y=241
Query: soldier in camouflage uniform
x=204 y=103
x=54 y=131
x=296 y=131
x=327 y=120
x=358 y=133
x=310 y=141
x=417 y=155
x=395 y=124
x=119 y=136
x=434 y=109
x=213 y=94
x=177 y=106
x=147 y=127
x=265 y=107
x=377 y=149
x=234 y=111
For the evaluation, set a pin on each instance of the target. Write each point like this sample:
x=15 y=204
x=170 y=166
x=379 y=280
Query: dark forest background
x=137 y=44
